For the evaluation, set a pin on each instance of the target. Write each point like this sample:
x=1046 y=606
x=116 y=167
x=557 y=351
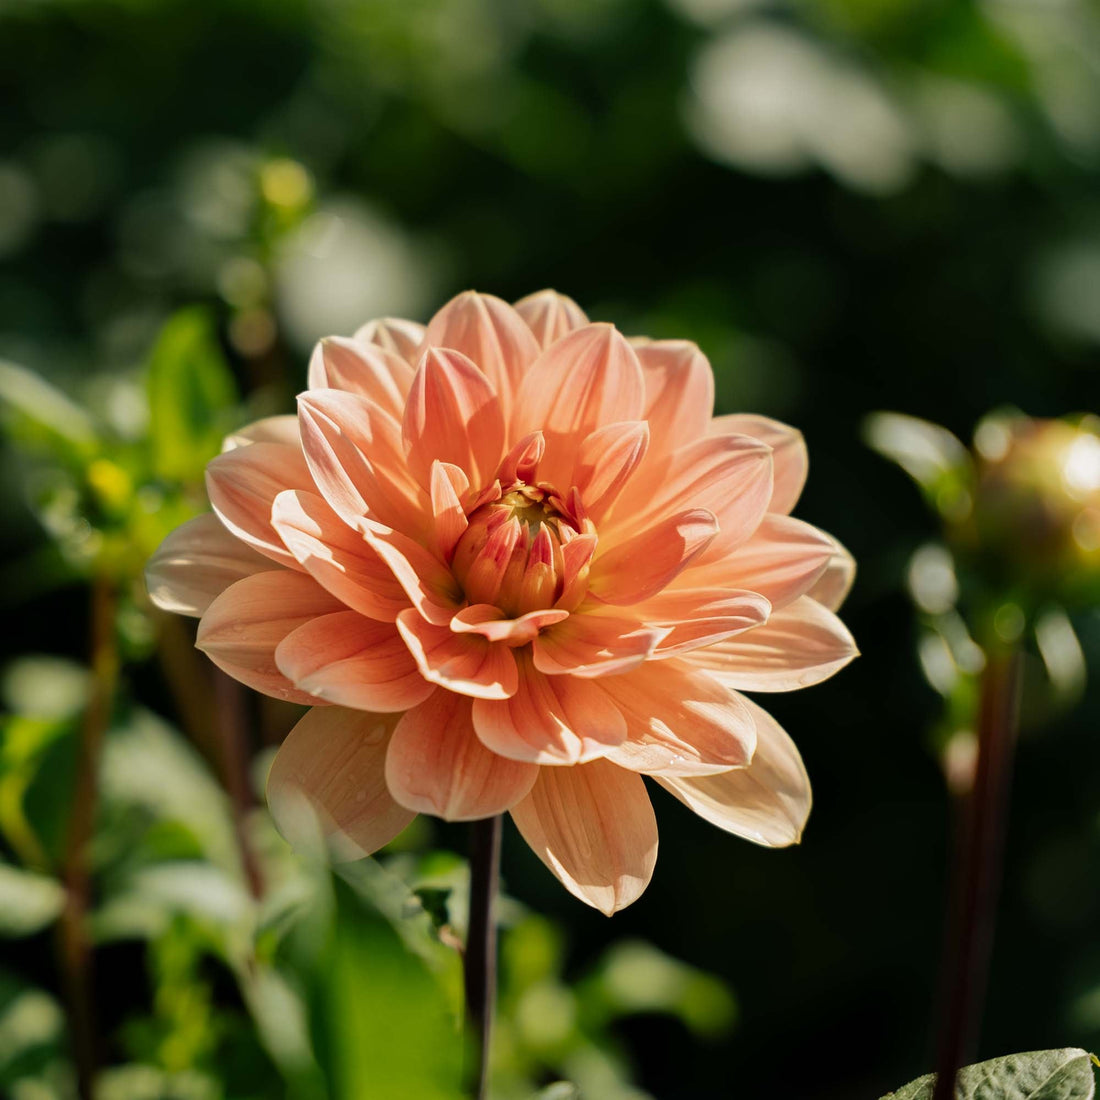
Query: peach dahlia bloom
x=512 y=563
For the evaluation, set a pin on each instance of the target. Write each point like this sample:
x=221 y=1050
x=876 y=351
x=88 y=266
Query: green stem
x=480 y=959
x=977 y=875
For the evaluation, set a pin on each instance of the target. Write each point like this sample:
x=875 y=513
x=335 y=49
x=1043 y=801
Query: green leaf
x=1039 y=1075
x=191 y=396
x=29 y=901
x=41 y=417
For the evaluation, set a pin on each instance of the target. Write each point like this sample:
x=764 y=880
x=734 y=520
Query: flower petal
x=833 y=586
x=680 y=721
x=465 y=663
x=768 y=802
x=437 y=765
x=337 y=557
x=550 y=719
x=792 y=461
x=679 y=392
x=782 y=561
x=404 y=338
x=272 y=429
x=448 y=485
x=800 y=645
x=355 y=453
x=453 y=415
x=197 y=562
x=582 y=382
x=492 y=334
x=243 y=626
x=490 y=622
x=380 y=376
x=427 y=582
x=242 y=485
x=593 y=826
x=334 y=761
x=605 y=461
x=697 y=617
x=550 y=315
x=353 y=661
x=593 y=644
x=639 y=567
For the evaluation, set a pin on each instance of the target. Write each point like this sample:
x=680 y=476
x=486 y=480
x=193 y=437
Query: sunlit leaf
x=29 y=901
x=41 y=417
x=1039 y=1075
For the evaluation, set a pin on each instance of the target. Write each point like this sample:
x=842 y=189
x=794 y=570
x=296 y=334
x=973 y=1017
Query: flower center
x=513 y=555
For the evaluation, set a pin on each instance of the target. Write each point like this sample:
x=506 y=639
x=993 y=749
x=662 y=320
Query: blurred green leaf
x=1039 y=1075
x=29 y=901
x=191 y=396
x=41 y=418
x=31 y=1031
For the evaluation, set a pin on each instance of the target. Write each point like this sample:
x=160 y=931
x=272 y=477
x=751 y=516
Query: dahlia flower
x=512 y=563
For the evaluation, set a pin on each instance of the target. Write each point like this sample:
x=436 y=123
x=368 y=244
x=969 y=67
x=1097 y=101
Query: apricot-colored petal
x=448 y=485
x=680 y=721
x=679 y=392
x=594 y=645
x=800 y=645
x=605 y=462
x=243 y=626
x=331 y=770
x=576 y=559
x=550 y=719
x=353 y=661
x=337 y=557
x=550 y=315
x=832 y=587
x=403 y=338
x=272 y=429
x=584 y=381
x=242 y=485
x=355 y=453
x=198 y=562
x=639 y=567
x=427 y=582
x=697 y=617
x=453 y=415
x=465 y=663
x=593 y=826
x=492 y=334
x=522 y=461
x=437 y=765
x=768 y=802
x=792 y=461
x=380 y=376
x=782 y=561
x=490 y=622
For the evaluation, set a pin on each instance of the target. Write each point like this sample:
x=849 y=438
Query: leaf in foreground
x=1038 y=1075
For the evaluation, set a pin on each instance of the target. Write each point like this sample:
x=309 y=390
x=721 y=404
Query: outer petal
x=243 y=626
x=550 y=315
x=789 y=453
x=272 y=429
x=697 y=617
x=593 y=826
x=588 y=644
x=242 y=485
x=393 y=334
x=782 y=561
x=582 y=382
x=381 y=376
x=642 y=565
x=465 y=663
x=800 y=645
x=833 y=586
x=680 y=722
x=453 y=415
x=333 y=760
x=492 y=334
x=337 y=557
x=197 y=562
x=768 y=802
x=679 y=392
x=427 y=582
x=356 y=662
x=437 y=765
x=550 y=719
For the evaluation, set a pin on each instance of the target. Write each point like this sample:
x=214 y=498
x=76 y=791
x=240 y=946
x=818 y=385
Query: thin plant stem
x=74 y=947
x=976 y=882
x=480 y=958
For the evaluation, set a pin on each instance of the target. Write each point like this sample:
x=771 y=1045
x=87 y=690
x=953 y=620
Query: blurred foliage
x=850 y=204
